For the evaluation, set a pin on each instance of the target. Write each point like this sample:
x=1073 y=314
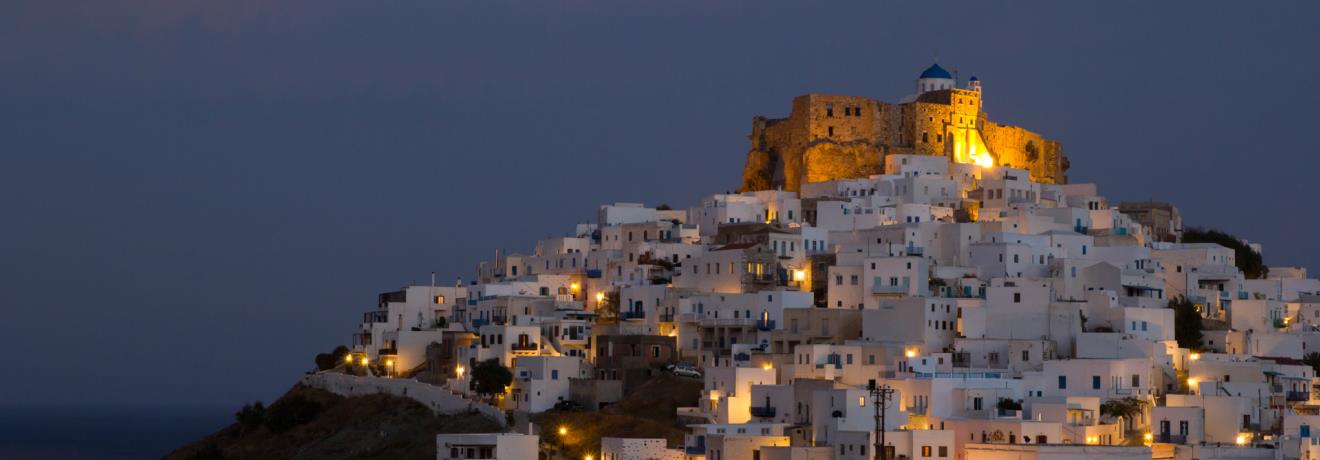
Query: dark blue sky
x=197 y=197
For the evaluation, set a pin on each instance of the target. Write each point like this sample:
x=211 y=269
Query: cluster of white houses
x=1002 y=312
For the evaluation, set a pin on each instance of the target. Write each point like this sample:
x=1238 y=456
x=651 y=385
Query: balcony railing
x=882 y=286
x=763 y=412
x=765 y=325
x=633 y=315
x=376 y=316
x=1299 y=395
x=695 y=450
x=525 y=347
x=1170 y=438
x=476 y=323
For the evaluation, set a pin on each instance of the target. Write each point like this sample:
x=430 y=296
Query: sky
x=197 y=197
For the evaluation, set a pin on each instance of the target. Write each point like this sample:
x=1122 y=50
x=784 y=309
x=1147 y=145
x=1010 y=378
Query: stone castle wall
x=828 y=137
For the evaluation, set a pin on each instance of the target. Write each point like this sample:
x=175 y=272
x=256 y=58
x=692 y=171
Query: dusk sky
x=198 y=197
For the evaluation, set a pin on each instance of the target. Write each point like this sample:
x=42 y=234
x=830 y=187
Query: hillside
x=325 y=425
x=647 y=412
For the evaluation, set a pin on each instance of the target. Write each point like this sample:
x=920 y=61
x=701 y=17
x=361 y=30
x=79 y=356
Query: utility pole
x=880 y=396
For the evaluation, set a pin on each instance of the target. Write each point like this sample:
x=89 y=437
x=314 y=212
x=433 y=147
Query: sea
x=104 y=432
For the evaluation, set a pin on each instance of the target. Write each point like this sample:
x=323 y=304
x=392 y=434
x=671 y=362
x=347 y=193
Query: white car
x=685 y=371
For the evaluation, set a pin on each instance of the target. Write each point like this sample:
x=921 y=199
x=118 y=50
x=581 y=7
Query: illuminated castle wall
x=828 y=137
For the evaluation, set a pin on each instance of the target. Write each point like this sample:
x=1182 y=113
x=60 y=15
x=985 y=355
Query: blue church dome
x=935 y=71
x=974 y=78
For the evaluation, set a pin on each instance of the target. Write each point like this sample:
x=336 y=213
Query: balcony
x=1169 y=438
x=530 y=346
x=763 y=412
x=633 y=315
x=695 y=450
x=882 y=286
x=387 y=351
x=376 y=316
x=765 y=325
x=593 y=274
x=915 y=251
x=476 y=323
x=1299 y=395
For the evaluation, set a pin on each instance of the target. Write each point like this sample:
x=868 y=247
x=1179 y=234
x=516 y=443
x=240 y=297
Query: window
x=925 y=451
x=944 y=451
x=1017 y=297
x=1095 y=382
x=832 y=133
x=1063 y=382
x=554 y=374
x=1026 y=355
x=439 y=299
x=829 y=110
x=1136 y=380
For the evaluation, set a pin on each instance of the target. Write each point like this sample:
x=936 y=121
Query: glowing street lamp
x=364 y=361
x=348 y=359
x=563 y=430
x=458 y=370
x=600 y=296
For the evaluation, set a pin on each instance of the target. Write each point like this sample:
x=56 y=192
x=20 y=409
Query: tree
x=1186 y=323
x=1006 y=404
x=327 y=361
x=251 y=416
x=1312 y=359
x=607 y=310
x=1127 y=408
x=1246 y=258
x=490 y=377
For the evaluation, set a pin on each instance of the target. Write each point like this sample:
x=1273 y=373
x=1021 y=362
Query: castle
x=829 y=137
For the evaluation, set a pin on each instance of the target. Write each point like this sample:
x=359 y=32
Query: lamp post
x=880 y=396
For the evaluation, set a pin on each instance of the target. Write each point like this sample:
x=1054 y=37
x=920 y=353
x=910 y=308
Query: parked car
x=568 y=406
x=684 y=370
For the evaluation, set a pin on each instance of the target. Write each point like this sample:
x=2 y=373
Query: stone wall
x=440 y=400
x=828 y=137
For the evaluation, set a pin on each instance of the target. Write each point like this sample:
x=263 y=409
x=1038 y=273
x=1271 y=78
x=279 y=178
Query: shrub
x=290 y=412
x=251 y=416
x=327 y=361
x=491 y=377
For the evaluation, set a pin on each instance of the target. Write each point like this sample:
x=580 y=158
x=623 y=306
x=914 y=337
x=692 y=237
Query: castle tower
x=934 y=78
x=974 y=84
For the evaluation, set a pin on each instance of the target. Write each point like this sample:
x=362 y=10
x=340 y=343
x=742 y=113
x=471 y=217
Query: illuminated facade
x=830 y=137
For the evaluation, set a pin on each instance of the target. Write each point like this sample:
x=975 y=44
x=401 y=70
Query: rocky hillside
x=308 y=423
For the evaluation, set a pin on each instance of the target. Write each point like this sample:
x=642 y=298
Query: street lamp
x=563 y=430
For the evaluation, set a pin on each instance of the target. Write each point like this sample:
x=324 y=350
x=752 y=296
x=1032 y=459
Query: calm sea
x=104 y=432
